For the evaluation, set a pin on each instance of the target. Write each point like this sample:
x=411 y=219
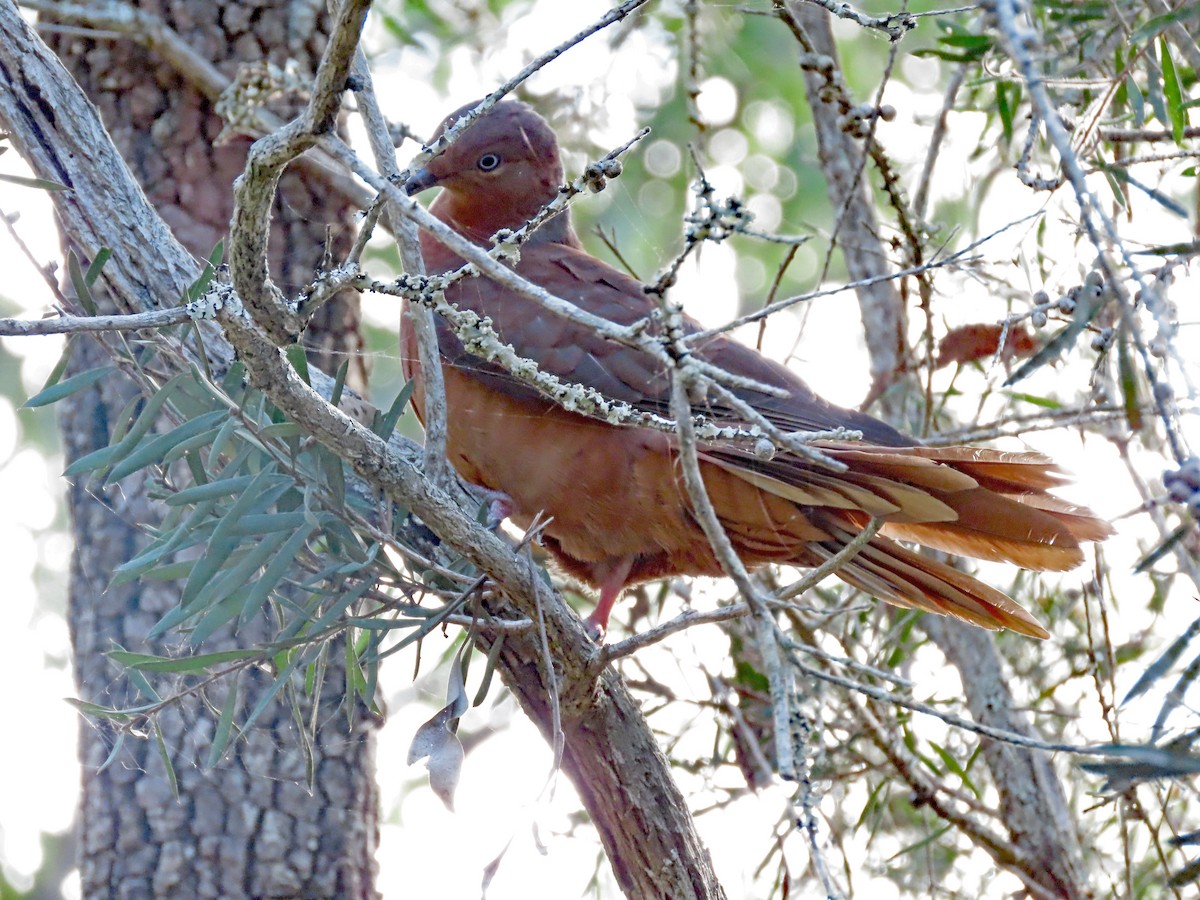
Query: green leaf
x=161 y=743
x=296 y=356
x=1008 y=96
x=220 y=739
x=214 y=490
x=1154 y=86
x=1153 y=27
x=1172 y=93
x=1085 y=311
x=297 y=658
x=921 y=844
x=82 y=288
x=40 y=183
x=387 y=424
x=1147 y=561
x=93 y=272
x=55 y=391
x=1161 y=666
x=272 y=575
x=117 y=450
x=186 y=534
x=197 y=288
x=339 y=383
x=155 y=449
x=239 y=574
x=1044 y=402
x=198 y=664
x=1128 y=381
x=952 y=764
x=261 y=493
x=214 y=617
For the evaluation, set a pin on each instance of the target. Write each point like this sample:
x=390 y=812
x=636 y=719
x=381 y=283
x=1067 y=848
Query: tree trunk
x=247 y=827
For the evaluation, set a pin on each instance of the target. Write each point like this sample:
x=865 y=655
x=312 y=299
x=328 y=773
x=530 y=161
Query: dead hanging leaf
x=437 y=743
x=969 y=343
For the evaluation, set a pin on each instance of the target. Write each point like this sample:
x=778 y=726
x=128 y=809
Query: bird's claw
x=596 y=629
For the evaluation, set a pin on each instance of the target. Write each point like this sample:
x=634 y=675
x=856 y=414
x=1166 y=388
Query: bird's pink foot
x=611 y=586
x=499 y=505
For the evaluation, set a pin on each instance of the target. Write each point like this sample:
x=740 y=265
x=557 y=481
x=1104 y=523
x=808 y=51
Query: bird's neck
x=478 y=229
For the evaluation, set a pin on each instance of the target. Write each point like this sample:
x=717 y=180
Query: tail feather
x=903 y=578
x=986 y=504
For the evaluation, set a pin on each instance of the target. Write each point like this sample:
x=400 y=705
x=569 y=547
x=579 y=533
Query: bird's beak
x=420 y=180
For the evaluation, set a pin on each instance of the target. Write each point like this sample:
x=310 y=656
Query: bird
x=615 y=508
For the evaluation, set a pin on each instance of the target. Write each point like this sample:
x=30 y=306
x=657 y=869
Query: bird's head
x=498 y=174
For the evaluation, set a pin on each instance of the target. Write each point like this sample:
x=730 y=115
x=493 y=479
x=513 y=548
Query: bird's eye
x=488 y=161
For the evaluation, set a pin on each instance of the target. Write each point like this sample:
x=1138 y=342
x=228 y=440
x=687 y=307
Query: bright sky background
x=427 y=850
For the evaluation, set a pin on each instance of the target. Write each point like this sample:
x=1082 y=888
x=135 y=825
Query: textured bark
x=249 y=827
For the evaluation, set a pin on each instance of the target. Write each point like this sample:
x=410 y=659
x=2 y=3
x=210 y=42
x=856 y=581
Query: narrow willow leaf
x=1175 y=697
x=258 y=593
x=224 y=435
x=952 y=764
x=1172 y=93
x=83 y=291
x=1164 y=548
x=489 y=670
x=114 y=752
x=97 y=266
x=214 y=490
x=138 y=680
x=281 y=431
x=198 y=664
x=297 y=659
x=921 y=844
x=217 y=551
x=224 y=730
x=339 y=606
x=188 y=449
x=40 y=184
x=60 y=367
x=102 y=712
x=128 y=442
x=1044 y=402
x=1153 y=27
x=334 y=475
x=387 y=423
x=1057 y=345
x=1154 y=85
x=339 y=383
x=214 y=617
x=161 y=743
x=296 y=356
x=156 y=448
x=237 y=575
x=267 y=523
x=59 y=389
x=91 y=462
x=197 y=288
x=1164 y=663
x=184 y=535
x=1127 y=380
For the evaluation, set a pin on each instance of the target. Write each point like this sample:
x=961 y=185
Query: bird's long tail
x=982 y=503
x=890 y=572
